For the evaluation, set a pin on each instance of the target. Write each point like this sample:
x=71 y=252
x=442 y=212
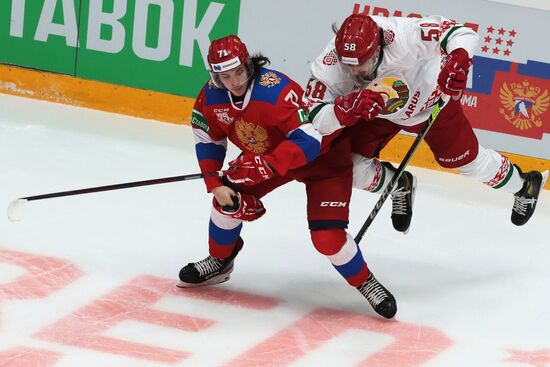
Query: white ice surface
x=463 y=269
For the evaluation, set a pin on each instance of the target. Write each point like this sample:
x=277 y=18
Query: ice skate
x=402 y=200
x=525 y=200
x=209 y=271
x=381 y=300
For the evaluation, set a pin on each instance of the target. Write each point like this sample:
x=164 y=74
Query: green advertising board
x=40 y=34
x=159 y=45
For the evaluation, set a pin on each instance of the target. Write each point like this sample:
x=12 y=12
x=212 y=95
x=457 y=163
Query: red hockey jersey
x=271 y=121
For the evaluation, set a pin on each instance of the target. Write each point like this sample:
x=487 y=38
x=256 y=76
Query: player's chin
x=239 y=92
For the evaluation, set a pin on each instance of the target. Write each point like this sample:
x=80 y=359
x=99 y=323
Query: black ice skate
x=208 y=271
x=379 y=297
x=402 y=200
x=525 y=200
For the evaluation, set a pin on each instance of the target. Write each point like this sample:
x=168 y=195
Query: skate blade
x=214 y=280
x=544 y=178
x=412 y=202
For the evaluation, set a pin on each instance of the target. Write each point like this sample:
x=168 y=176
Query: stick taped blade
x=16 y=210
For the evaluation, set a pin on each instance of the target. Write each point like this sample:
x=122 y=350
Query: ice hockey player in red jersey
x=411 y=62
x=261 y=112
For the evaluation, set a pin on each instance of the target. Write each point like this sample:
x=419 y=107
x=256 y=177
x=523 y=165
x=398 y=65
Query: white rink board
x=293 y=33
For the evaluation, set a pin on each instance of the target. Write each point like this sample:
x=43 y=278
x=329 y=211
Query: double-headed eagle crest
x=270 y=79
x=254 y=137
x=523 y=104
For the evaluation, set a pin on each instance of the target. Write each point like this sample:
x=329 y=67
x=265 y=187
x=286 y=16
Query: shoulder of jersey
x=214 y=95
x=327 y=67
x=329 y=58
x=391 y=30
x=268 y=85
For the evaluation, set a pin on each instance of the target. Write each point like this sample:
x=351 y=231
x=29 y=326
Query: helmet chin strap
x=248 y=80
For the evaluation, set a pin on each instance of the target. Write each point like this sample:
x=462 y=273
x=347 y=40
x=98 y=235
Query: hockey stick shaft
x=126 y=185
x=399 y=172
x=16 y=209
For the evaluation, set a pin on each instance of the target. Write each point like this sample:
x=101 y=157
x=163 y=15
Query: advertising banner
x=508 y=95
x=40 y=34
x=159 y=45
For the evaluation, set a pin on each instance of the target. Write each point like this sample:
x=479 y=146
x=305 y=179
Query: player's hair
x=254 y=67
x=258 y=61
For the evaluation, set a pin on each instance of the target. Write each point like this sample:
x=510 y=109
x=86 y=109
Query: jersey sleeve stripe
x=315 y=111
x=198 y=112
x=308 y=140
x=446 y=38
x=202 y=137
x=210 y=151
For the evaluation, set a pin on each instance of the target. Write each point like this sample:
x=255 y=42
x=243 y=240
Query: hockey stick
x=16 y=208
x=399 y=172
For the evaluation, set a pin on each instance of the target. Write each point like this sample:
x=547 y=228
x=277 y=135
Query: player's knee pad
x=328 y=241
x=245 y=207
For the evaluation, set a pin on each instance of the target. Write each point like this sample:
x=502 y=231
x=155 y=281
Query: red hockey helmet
x=357 y=39
x=227 y=53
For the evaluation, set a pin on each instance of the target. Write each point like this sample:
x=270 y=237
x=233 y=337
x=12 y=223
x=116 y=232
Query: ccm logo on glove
x=250 y=169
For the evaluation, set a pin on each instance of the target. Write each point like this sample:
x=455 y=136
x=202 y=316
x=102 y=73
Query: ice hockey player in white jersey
x=379 y=75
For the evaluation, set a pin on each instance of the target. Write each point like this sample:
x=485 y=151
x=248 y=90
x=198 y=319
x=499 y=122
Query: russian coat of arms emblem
x=523 y=104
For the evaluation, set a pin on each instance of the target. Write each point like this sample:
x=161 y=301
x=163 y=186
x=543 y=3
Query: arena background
x=146 y=58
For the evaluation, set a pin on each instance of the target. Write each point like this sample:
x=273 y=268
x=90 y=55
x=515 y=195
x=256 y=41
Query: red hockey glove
x=365 y=104
x=454 y=74
x=245 y=207
x=249 y=169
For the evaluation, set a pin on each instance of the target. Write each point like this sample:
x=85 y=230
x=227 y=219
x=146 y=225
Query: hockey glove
x=454 y=74
x=245 y=207
x=365 y=104
x=249 y=169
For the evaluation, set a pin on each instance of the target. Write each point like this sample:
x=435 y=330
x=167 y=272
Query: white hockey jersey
x=412 y=55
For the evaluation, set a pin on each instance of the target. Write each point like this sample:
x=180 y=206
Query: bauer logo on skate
x=523 y=104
